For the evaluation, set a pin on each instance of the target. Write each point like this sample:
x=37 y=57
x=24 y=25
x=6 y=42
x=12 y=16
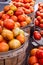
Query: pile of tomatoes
x=26 y=5
x=36 y=56
x=38 y=34
x=11 y=36
x=39 y=16
x=16 y=14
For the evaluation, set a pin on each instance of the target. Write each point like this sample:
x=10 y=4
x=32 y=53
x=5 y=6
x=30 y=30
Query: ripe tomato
x=31 y=9
x=41 y=14
x=18 y=4
x=41 y=4
x=41 y=61
x=39 y=54
x=1 y=23
x=41 y=21
x=1 y=38
x=27 y=11
x=21 y=38
x=27 y=1
x=6 y=8
x=37 y=35
x=21 y=18
x=5 y=16
x=14 y=18
x=39 y=18
x=28 y=20
x=32 y=3
x=32 y=60
x=41 y=32
x=21 y=0
x=27 y=5
x=23 y=24
x=0 y=29
x=41 y=48
x=19 y=11
x=38 y=13
x=41 y=25
x=33 y=51
x=36 y=64
x=4 y=47
x=1 y=13
x=9 y=23
x=41 y=10
x=16 y=24
x=36 y=22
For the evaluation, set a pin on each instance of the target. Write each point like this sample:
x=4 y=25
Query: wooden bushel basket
x=14 y=57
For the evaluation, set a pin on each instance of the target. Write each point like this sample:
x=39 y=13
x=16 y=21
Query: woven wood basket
x=14 y=57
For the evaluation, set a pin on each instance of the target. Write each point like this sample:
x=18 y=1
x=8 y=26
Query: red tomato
x=39 y=18
x=41 y=10
x=27 y=1
x=21 y=0
x=21 y=38
x=41 y=32
x=14 y=18
x=38 y=13
x=4 y=47
x=0 y=29
x=41 y=14
x=16 y=24
x=27 y=5
x=27 y=11
x=32 y=60
x=31 y=9
x=37 y=35
x=41 y=48
x=33 y=51
x=39 y=54
x=1 y=38
x=19 y=12
x=21 y=18
x=5 y=16
x=23 y=24
x=41 y=61
x=36 y=22
x=9 y=23
x=18 y=4
x=41 y=25
x=1 y=23
x=1 y=13
x=41 y=21
x=6 y=8
x=41 y=4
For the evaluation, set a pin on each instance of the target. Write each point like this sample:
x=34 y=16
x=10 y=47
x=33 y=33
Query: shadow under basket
x=4 y=3
x=14 y=57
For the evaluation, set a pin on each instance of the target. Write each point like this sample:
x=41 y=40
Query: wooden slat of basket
x=1 y=62
x=21 y=57
x=11 y=61
x=14 y=61
x=8 y=61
